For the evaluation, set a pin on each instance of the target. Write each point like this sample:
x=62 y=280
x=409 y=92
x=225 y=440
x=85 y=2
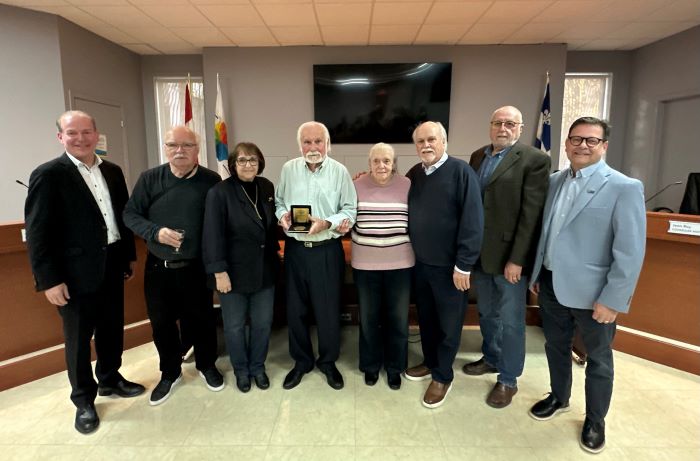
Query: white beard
x=314 y=157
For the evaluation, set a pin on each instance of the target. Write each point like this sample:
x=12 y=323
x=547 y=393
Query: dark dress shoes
x=86 y=419
x=333 y=377
x=548 y=408
x=293 y=379
x=262 y=381
x=593 y=436
x=122 y=388
x=478 y=368
x=394 y=380
x=243 y=383
x=371 y=378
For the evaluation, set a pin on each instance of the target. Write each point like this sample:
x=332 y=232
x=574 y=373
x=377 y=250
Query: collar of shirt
x=501 y=153
x=319 y=167
x=586 y=172
x=77 y=163
x=431 y=169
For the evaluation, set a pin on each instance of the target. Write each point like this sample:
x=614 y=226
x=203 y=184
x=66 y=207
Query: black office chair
x=691 y=198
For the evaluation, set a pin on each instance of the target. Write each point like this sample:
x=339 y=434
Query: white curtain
x=170 y=108
x=585 y=95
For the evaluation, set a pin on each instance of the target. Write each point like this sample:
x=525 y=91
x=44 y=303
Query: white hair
x=384 y=147
x=326 y=134
x=443 y=131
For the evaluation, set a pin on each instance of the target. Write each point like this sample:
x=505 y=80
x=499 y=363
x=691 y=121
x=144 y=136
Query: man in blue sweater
x=445 y=222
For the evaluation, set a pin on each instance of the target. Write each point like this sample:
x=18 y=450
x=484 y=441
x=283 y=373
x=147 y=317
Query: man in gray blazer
x=513 y=179
x=588 y=261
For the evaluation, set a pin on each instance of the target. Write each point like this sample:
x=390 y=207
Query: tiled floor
x=655 y=416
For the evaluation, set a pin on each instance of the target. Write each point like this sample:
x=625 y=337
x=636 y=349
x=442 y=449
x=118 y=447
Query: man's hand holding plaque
x=301 y=218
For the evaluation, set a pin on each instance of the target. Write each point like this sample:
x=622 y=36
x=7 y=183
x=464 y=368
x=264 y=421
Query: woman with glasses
x=239 y=245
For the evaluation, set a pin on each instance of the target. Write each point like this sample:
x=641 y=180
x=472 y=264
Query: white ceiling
x=185 y=26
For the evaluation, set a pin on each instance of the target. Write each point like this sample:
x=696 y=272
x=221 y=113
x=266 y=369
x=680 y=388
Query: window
x=170 y=110
x=584 y=95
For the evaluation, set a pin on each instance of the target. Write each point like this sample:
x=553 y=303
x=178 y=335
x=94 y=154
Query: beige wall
x=268 y=93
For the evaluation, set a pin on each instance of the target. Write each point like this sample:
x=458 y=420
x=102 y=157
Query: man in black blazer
x=513 y=179
x=81 y=253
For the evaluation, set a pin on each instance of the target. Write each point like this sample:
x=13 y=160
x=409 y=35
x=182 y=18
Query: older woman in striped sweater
x=382 y=259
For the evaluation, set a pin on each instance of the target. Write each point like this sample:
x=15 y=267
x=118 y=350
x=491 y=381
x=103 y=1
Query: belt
x=307 y=244
x=177 y=264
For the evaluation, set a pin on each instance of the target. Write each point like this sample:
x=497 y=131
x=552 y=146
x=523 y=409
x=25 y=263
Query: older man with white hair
x=314 y=258
x=167 y=211
x=445 y=223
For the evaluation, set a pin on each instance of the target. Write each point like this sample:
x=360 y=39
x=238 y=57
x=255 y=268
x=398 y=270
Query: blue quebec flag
x=544 y=127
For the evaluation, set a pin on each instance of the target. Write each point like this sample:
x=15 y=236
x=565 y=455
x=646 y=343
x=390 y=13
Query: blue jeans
x=247 y=357
x=501 y=307
x=384 y=298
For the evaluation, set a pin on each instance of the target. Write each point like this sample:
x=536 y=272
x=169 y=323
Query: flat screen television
x=370 y=103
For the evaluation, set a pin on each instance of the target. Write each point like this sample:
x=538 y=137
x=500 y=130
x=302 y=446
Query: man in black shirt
x=167 y=210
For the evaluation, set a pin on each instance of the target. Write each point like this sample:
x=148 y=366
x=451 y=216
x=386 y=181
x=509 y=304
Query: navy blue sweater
x=445 y=215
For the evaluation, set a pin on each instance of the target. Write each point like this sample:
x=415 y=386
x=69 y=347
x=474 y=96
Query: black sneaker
x=214 y=380
x=163 y=390
x=548 y=408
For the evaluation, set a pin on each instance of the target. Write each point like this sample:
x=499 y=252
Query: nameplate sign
x=683 y=227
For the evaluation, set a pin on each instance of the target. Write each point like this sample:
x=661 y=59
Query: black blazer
x=66 y=233
x=236 y=241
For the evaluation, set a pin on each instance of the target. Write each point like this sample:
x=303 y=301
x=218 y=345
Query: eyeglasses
x=241 y=161
x=590 y=142
x=184 y=145
x=507 y=123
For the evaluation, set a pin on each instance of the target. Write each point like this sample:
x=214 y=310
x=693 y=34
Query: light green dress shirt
x=328 y=190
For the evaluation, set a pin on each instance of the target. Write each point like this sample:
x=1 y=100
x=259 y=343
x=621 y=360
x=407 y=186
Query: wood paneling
x=666 y=302
x=31 y=325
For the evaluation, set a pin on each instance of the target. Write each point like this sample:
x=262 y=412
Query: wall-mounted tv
x=369 y=103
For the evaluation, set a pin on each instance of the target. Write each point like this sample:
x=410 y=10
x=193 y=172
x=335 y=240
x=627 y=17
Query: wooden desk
x=664 y=320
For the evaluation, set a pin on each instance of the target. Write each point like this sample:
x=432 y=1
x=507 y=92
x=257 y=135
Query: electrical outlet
x=345 y=317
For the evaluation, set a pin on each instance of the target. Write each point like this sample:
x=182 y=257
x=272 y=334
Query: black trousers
x=314 y=278
x=100 y=313
x=441 y=307
x=559 y=323
x=180 y=294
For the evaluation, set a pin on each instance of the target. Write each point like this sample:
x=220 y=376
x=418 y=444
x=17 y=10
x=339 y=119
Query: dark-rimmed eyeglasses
x=507 y=123
x=590 y=142
x=242 y=161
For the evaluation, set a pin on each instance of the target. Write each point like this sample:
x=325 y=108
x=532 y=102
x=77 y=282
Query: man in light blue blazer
x=587 y=264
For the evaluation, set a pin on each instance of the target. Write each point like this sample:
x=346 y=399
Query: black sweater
x=181 y=207
x=445 y=215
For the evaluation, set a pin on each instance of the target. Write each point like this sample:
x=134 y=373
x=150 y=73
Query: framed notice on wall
x=101 y=147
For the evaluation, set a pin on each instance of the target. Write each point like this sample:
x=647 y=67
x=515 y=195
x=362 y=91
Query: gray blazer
x=600 y=248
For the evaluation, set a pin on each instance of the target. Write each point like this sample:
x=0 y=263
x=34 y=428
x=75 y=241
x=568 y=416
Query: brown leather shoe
x=436 y=393
x=501 y=395
x=478 y=368
x=417 y=373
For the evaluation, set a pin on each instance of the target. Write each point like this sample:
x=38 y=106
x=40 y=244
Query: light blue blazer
x=599 y=251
